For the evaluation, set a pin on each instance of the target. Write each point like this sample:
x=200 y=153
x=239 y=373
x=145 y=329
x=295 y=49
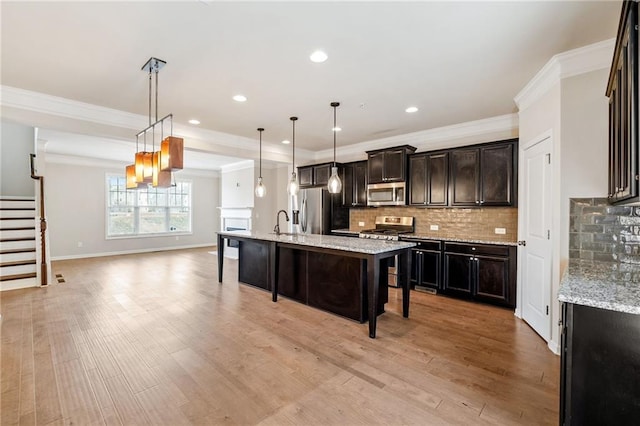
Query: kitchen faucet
x=276 y=229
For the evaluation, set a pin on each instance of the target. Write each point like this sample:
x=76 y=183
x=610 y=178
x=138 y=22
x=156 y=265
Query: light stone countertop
x=358 y=245
x=434 y=238
x=605 y=285
x=460 y=240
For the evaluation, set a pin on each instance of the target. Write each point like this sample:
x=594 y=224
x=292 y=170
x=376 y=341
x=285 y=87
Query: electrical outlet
x=500 y=231
x=360 y=223
x=434 y=227
x=79 y=243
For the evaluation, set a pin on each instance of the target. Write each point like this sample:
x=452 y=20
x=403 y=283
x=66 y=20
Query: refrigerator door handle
x=303 y=214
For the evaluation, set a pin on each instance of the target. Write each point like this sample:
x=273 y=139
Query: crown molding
x=240 y=165
x=196 y=138
x=483 y=130
x=563 y=65
x=74 y=160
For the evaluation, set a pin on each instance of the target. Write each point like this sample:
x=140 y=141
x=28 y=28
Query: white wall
x=76 y=209
x=575 y=111
x=16 y=143
x=585 y=148
x=237 y=186
x=265 y=209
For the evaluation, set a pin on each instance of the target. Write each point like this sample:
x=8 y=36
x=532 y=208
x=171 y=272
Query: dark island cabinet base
x=253 y=264
x=333 y=283
x=600 y=367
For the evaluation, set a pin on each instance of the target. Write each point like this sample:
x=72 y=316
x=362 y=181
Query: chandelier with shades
x=155 y=167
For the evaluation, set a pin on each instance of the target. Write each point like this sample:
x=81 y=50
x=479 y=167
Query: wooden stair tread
x=22 y=228
x=8 y=240
x=18 y=263
x=18 y=276
x=20 y=250
x=17 y=208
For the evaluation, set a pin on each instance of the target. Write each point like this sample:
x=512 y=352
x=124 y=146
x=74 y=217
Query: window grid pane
x=147 y=211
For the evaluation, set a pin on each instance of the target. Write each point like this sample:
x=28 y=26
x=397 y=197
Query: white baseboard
x=116 y=253
x=554 y=347
x=18 y=284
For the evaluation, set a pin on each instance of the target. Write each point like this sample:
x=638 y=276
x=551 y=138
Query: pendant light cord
x=334 y=136
x=260 y=130
x=293 y=143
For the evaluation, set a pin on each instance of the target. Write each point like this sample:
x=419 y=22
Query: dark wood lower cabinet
x=600 y=367
x=426 y=264
x=333 y=283
x=253 y=264
x=292 y=274
x=481 y=272
x=458 y=274
x=492 y=279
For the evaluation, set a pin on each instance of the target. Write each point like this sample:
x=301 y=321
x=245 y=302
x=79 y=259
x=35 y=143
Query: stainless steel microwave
x=386 y=194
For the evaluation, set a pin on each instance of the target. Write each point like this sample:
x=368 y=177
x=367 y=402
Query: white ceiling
x=455 y=61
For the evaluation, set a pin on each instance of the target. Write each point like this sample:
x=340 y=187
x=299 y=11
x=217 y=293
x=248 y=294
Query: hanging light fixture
x=150 y=167
x=293 y=187
x=334 y=184
x=261 y=190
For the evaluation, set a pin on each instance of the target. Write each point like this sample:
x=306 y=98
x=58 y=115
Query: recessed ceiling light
x=318 y=56
x=286 y=142
x=193 y=121
x=239 y=98
x=337 y=129
x=411 y=109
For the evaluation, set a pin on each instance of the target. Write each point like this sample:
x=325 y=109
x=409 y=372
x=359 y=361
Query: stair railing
x=43 y=225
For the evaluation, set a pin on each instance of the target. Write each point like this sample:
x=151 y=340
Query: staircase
x=17 y=243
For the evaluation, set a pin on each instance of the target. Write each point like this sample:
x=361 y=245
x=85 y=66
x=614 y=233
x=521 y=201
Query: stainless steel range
x=389 y=228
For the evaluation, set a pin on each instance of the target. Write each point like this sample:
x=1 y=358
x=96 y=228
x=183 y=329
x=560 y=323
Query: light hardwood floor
x=154 y=339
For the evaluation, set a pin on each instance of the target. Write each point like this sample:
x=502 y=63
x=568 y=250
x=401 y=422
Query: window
x=150 y=211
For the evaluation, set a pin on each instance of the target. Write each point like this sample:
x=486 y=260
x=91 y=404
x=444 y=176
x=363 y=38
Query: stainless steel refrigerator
x=320 y=212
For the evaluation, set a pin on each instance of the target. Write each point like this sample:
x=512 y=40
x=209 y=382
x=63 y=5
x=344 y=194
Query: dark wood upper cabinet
x=622 y=90
x=429 y=179
x=388 y=165
x=465 y=176
x=305 y=176
x=483 y=175
x=315 y=175
x=438 y=179
x=418 y=180
x=321 y=174
x=354 y=184
x=496 y=175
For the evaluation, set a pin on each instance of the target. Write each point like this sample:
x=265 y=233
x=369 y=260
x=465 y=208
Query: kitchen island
x=338 y=274
x=600 y=349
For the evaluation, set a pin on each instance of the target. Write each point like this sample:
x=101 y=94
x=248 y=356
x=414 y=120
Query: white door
x=536 y=255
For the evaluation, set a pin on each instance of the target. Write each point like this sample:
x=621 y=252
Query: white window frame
x=109 y=176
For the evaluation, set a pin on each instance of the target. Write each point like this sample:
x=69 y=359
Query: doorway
x=536 y=250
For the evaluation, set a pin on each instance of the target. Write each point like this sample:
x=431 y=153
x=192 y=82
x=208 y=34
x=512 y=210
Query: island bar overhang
x=372 y=253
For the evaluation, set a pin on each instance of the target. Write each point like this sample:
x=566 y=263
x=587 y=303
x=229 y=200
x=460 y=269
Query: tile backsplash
x=476 y=223
x=599 y=231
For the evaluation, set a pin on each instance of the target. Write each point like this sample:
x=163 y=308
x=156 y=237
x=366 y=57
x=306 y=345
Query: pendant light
x=261 y=190
x=155 y=167
x=334 y=184
x=293 y=187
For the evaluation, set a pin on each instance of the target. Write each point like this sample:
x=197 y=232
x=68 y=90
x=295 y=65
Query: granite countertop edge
x=605 y=285
x=435 y=238
x=334 y=242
